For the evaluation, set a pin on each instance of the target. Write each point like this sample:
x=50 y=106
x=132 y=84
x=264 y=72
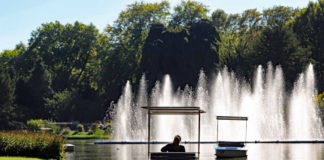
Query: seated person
x=174 y=147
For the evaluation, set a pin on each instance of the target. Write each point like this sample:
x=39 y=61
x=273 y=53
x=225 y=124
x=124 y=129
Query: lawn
x=18 y=158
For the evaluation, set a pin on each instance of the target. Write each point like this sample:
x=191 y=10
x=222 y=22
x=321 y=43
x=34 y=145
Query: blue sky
x=18 y=18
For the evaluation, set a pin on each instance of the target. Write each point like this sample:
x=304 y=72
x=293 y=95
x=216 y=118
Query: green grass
x=18 y=158
x=99 y=134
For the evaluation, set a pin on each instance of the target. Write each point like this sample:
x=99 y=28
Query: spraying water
x=274 y=114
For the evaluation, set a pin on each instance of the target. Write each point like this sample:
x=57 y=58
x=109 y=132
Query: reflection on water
x=86 y=150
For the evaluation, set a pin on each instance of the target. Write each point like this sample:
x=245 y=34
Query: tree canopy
x=70 y=72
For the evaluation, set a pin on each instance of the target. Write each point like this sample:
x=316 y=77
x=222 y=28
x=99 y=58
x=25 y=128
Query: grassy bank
x=31 y=144
x=18 y=158
x=99 y=134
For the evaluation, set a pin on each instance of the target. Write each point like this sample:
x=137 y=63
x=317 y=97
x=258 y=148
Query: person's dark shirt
x=173 y=148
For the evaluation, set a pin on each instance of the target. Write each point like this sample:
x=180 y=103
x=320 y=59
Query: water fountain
x=274 y=114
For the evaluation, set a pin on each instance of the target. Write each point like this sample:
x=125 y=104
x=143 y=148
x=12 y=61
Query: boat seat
x=173 y=155
x=230 y=144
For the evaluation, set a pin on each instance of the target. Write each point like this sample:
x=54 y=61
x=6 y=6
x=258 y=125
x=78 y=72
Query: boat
x=172 y=110
x=228 y=149
x=231 y=149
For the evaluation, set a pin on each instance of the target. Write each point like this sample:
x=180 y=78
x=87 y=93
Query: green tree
x=182 y=54
x=238 y=40
x=126 y=38
x=282 y=47
x=58 y=58
x=309 y=25
x=219 y=19
x=188 y=12
x=68 y=50
x=60 y=106
x=38 y=87
x=278 y=16
x=7 y=99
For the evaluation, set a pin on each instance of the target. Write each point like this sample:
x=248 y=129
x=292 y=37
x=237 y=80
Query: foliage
x=65 y=131
x=126 y=38
x=72 y=72
x=320 y=99
x=94 y=127
x=97 y=134
x=80 y=128
x=181 y=54
x=36 y=124
x=188 y=12
x=17 y=158
x=309 y=24
x=31 y=144
x=60 y=105
x=7 y=99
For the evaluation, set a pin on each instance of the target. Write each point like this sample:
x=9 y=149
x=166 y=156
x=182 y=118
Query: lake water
x=87 y=150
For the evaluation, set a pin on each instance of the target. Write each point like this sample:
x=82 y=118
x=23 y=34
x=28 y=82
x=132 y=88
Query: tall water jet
x=264 y=101
x=273 y=104
x=224 y=101
x=202 y=101
x=304 y=122
x=139 y=115
x=142 y=94
x=123 y=120
x=167 y=126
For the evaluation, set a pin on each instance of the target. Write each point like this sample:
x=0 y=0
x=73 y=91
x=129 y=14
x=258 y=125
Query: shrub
x=75 y=132
x=320 y=99
x=80 y=128
x=54 y=127
x=65 y=131
x=94 y=127
x=31 y=144
x=35 y=124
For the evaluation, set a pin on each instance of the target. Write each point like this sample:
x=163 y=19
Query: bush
x=320 y=99
x=35 y=124
x=80 y=128
x=75 y=132
x=31 y=144
x=65 y=131
x=54 y=127
x=94 y=127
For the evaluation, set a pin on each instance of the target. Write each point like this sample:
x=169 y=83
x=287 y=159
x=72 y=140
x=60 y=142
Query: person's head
x=177 y=140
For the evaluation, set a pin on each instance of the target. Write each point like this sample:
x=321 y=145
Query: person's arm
x=165 y=148
x=183 y=149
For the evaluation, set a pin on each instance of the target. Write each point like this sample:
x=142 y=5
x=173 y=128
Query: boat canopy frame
x=232 y=118
x=171 y=110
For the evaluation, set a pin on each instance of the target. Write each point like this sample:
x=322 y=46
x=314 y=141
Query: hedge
x=31 y=144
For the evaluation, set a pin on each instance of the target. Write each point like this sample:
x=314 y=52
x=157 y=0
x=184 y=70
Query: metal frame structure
x=233 y=118
x=154 y=110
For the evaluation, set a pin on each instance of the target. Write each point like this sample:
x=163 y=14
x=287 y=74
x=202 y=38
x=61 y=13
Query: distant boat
x=230 y=149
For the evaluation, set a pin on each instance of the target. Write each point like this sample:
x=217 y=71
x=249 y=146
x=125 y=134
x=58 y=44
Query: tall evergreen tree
x=7 y=99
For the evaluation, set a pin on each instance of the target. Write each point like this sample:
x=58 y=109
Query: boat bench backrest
x=230 y=144
x=173 y=156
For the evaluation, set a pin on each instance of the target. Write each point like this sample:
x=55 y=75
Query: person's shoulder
x=169 y=144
